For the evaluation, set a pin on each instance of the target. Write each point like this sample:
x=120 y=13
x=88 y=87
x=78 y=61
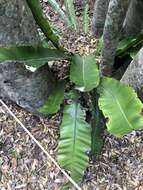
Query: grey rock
x=17 y=28
x=134 y=74
x=27 y=89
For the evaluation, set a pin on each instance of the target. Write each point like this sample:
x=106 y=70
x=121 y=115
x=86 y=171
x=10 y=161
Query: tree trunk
x=99 y=16
x=17 y=28
x=134 y=19
x=122 y=16
x=112 y=30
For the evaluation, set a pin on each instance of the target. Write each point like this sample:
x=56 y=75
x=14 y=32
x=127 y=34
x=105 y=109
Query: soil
x=23 y=166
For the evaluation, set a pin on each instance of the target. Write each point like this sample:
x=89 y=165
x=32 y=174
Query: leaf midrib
x=83 y=68
x=124 y=115
x=74 y=140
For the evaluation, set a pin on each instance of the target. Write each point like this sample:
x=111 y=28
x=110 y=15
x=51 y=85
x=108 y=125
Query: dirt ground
x=23 y=166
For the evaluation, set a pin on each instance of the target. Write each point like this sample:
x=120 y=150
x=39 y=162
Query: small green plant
x=109 y=102
x=69 y=15
x=130 y=46
x=118 y=103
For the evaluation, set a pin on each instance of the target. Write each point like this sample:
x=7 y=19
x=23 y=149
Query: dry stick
x=40 y=146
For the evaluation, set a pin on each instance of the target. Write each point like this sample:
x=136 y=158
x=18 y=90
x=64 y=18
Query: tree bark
x=17 y=28
x=99 y=16
x=134 y=19
x=112 y=30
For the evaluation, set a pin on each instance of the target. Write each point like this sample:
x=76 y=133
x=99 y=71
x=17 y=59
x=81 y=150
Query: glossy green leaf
x=72 y=95
x=97 y=125
x=57 y=8
x=129 y=44
x=124 y=45
x=52 y=105
x=84 y=72
x=31 y=56
x=42 y=22
x=121 y=106
x=133 y=54
x=69 y=5
x=86 y=17
x=75 y=141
